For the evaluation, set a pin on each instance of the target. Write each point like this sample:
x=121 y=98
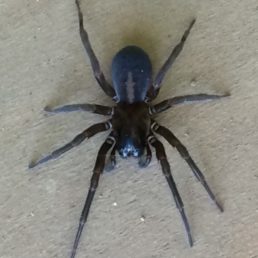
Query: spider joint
x=108 y=125
x=110 y=140
x=154 y=126
x=151 y=139
x=152 y=110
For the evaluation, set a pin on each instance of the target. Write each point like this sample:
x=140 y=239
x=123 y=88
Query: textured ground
x=43 y=63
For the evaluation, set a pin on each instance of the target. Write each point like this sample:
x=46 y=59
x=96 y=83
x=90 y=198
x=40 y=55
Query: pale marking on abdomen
x=130 y=87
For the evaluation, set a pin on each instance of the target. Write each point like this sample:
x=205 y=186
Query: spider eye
x=127 y=149
x=136 y=153
x=130 y=151
x=125 y=152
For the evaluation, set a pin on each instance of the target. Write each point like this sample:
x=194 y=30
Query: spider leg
x=161 y=156
x=145 y=159
x=171 y=138
x=93 y=59
x=169 y=62
x=111 y=162
x=98 y=169
x=89 y=132
x=181 y=100
x=93 y=108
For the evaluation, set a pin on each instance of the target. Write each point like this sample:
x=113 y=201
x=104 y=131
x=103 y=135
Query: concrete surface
x=43 y=63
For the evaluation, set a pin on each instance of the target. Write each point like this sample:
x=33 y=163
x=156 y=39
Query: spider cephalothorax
x=131 y=120
x=131 y=126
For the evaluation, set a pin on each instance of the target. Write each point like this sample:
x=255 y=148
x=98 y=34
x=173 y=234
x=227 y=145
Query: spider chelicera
x=131 y=121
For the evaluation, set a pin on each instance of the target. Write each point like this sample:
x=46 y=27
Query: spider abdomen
x=131 y=74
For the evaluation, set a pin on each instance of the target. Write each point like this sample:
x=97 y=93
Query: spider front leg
x=111 y=162
x=93 y=108
x=171 y=138
x=93 y=59
x=98 y=169
x=154 y=90
x=89 y=132
x=180 y=100
x=161 y=156
x=145 y=159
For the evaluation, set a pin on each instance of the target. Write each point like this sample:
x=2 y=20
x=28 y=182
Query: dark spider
x=133 y=127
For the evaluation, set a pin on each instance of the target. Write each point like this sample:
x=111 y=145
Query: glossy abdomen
x=131 y=74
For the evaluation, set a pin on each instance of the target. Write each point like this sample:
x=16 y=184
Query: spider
x=131 y=120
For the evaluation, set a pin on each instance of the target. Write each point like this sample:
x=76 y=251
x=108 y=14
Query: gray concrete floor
x=43 y=63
